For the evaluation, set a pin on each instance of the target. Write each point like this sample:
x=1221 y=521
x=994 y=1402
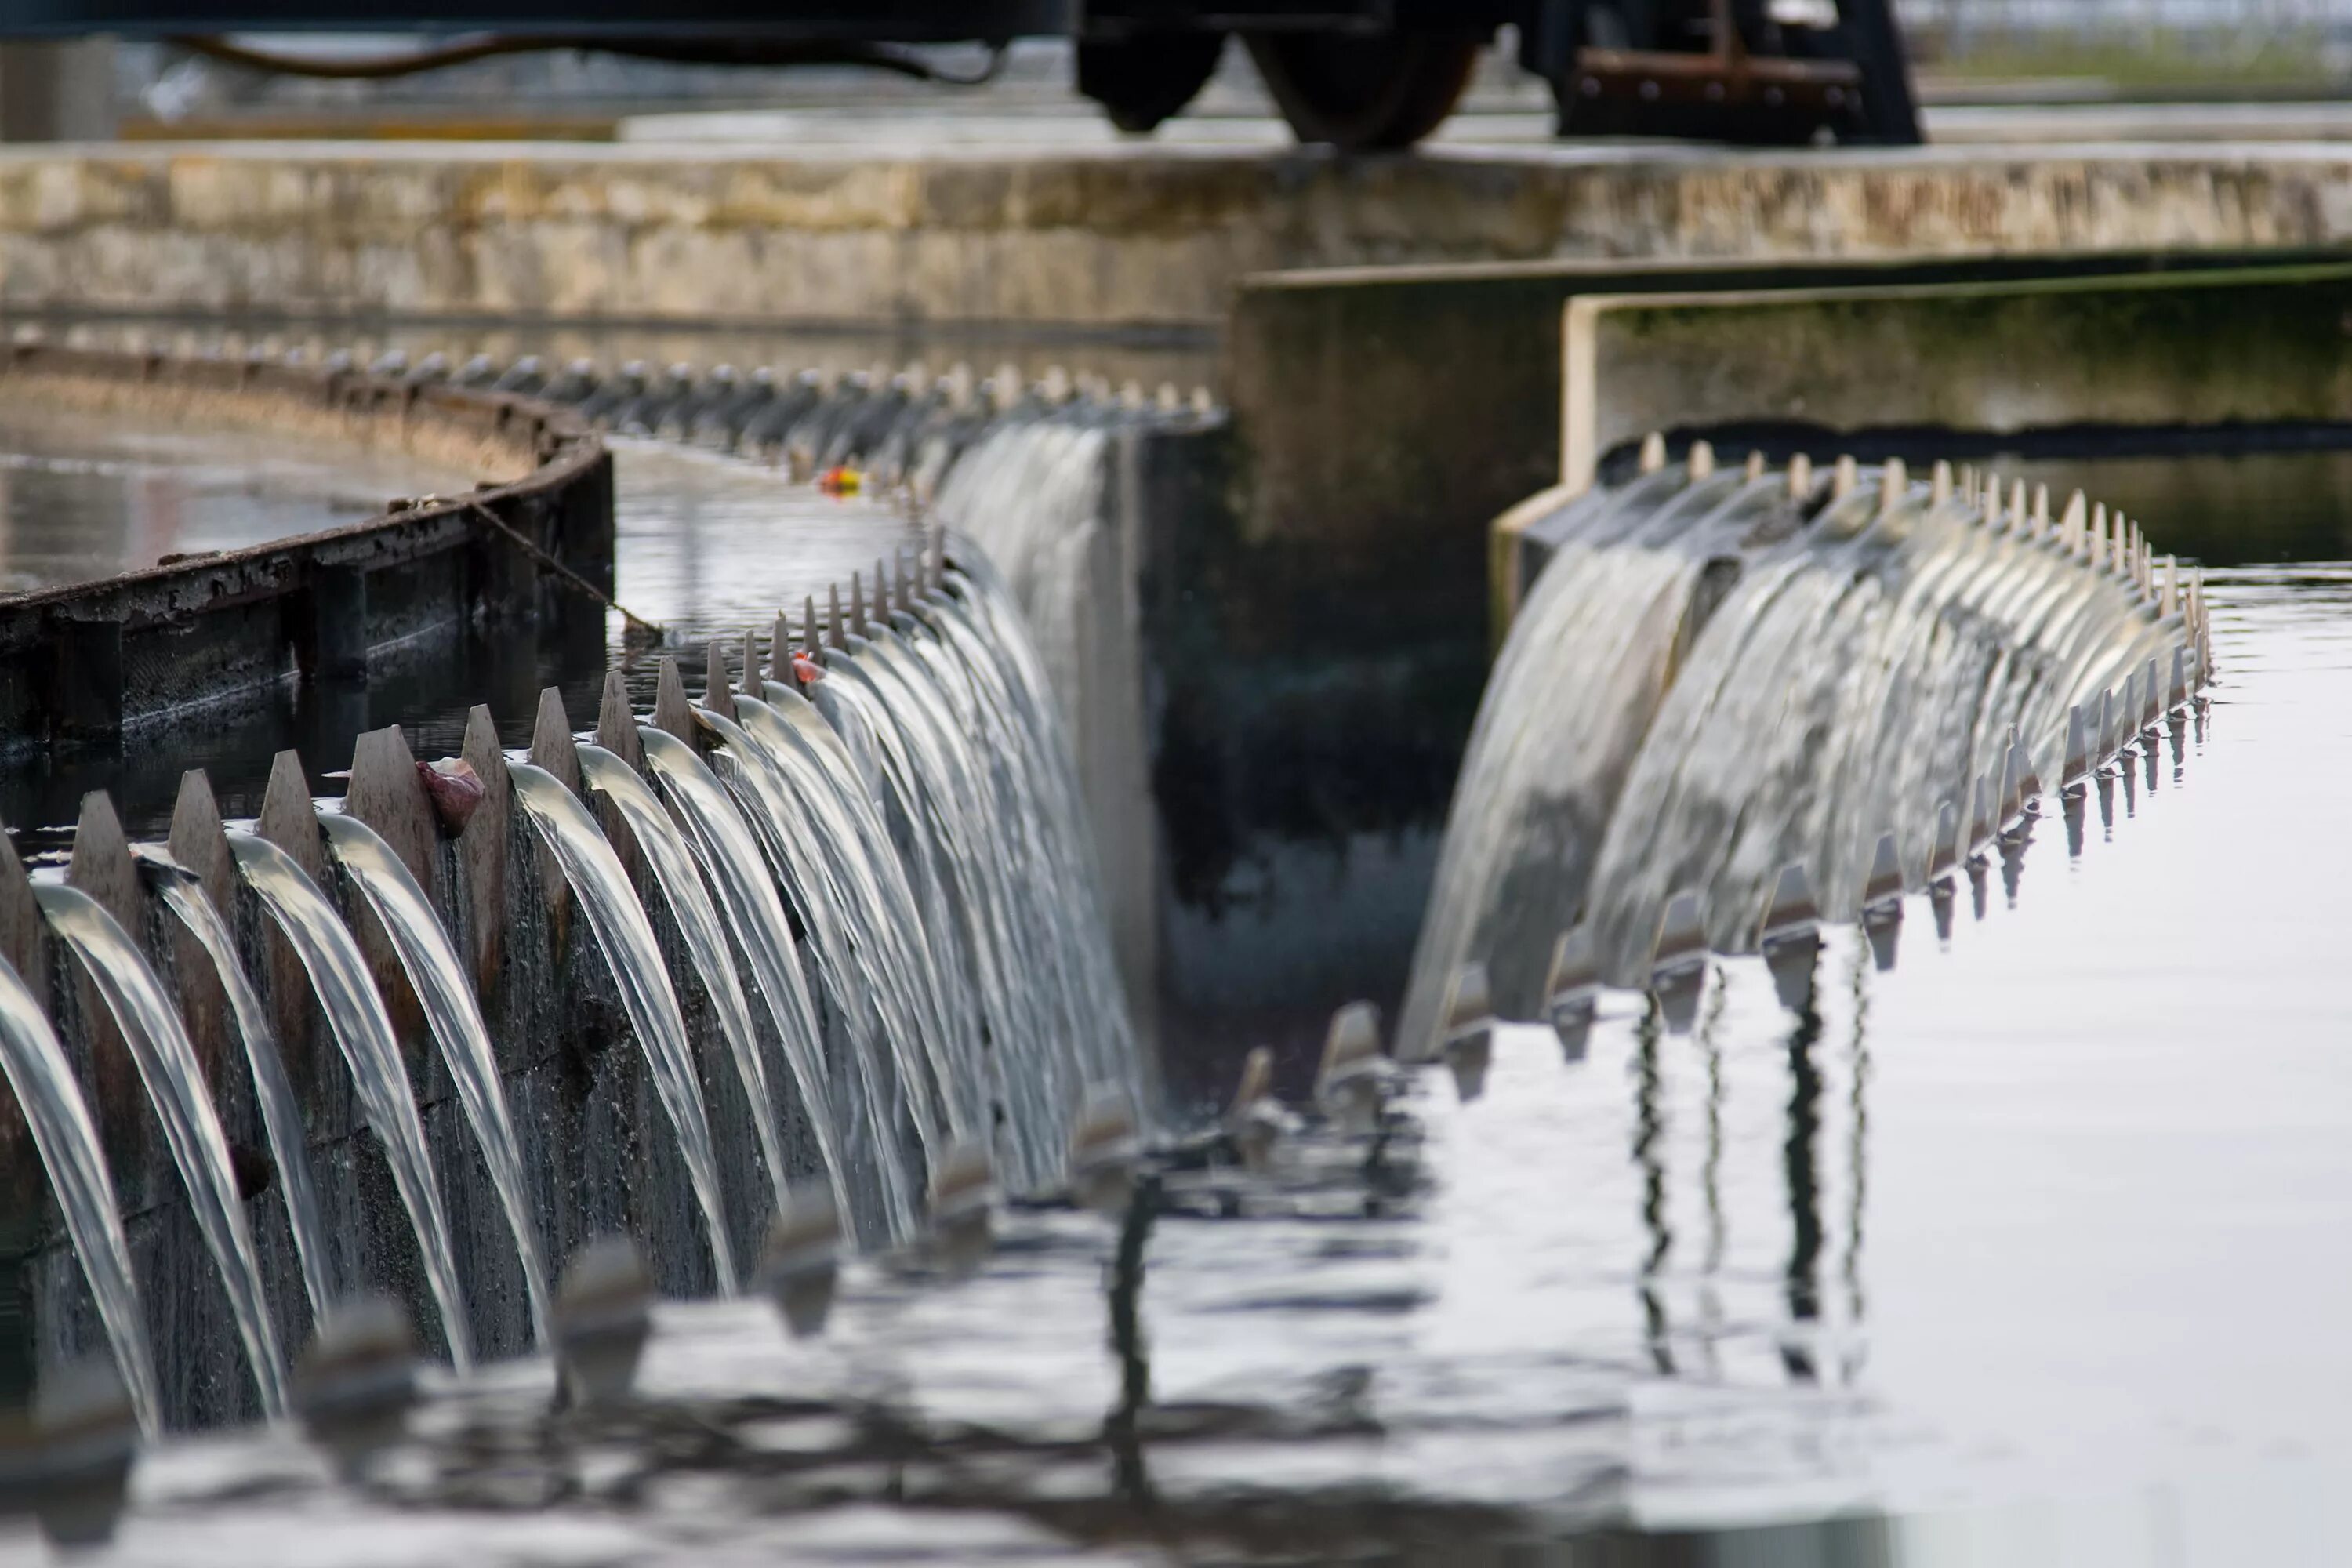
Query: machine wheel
x=1142 y=79
x=1364 y=94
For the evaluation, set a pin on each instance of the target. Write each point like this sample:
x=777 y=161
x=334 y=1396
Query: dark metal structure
x=1357 y=74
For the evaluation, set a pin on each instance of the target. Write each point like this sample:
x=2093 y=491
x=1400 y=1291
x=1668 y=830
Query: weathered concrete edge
x=2126 y=350
x=64 y=674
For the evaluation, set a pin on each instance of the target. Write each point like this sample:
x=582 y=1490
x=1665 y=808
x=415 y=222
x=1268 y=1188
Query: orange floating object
x=840 y=481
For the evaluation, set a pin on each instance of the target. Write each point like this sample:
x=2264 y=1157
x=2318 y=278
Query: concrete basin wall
x=82 y=664
x=1140 y=238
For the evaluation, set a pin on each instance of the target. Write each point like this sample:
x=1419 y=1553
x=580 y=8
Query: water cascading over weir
x=1735 y=699
x=793 y=944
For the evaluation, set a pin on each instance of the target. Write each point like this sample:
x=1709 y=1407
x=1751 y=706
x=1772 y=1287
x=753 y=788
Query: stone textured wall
x=1135 y=238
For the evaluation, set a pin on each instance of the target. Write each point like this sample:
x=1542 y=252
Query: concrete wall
x=2236 y=349
x=81 y=664
x=1120 y=238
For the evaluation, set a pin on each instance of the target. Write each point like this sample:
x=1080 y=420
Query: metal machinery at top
x=1361 y=75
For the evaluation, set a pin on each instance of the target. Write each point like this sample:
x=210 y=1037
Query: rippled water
x=2024 y=1251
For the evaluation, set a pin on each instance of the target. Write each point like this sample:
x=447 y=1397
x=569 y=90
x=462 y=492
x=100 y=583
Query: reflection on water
x=2021 y=1252
x=2024 y=1251
x=82 y=497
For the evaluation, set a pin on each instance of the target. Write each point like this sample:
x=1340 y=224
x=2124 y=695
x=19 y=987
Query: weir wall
x=1311 y=589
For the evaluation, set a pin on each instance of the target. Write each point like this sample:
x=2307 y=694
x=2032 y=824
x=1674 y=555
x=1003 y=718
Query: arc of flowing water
x=853 y=928
x=796 y=739
x=363 y=1033
x=43 y=1082
x=281 y=1113
x=681 y=884
x=876 y=895
x=954 y=815
x=733 y=859
x=1013 y=688
x=626 y=940
x=439 y=979
x=166 y=1060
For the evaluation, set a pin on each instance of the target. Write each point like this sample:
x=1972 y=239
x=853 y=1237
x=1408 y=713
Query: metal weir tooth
x=1571 y=990
x=1845 y=477
x=1984 y=819
x=1967 y=479
x=1989 y=502
x=1256 y=1122
x=1678 y=961
x=800 y=1265
x=2070 y=524
x=900 y=579
x=2169 y=605
x=1939 y=483
x=2017 y=507
x=1882 y=901
x=1793 y=913
x=70 y=1463
x=1801 y=478
x=963 y=1209
x=881 y=593
x=780 y=652
x=2151 y=695
x=353 y=1383
x=1700 y=462
x=1884 y=884
x=1104 y=1150
x=1755 y=470
x=2041 y=529
x=1944 y=853
x=2107 y=727
x=857 y=621
x=604 y=1313
x=1467 y=1036
x=835 y=636
x=1894 y=484
x=811 y=638
x=2099 y=536
x=2077 y=766
x=1653 y=453
x=1349 y=1085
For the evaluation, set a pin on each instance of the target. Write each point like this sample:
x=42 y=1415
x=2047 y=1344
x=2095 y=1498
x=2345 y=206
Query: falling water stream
x=281 y=1113
x=853 y=946
x=1857 y=676
x=363 y=1033
x=441 y=984
x=166 y=1060
x=731 y=857
x=626 y=940
x=706 y=938
x=43 y=1082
